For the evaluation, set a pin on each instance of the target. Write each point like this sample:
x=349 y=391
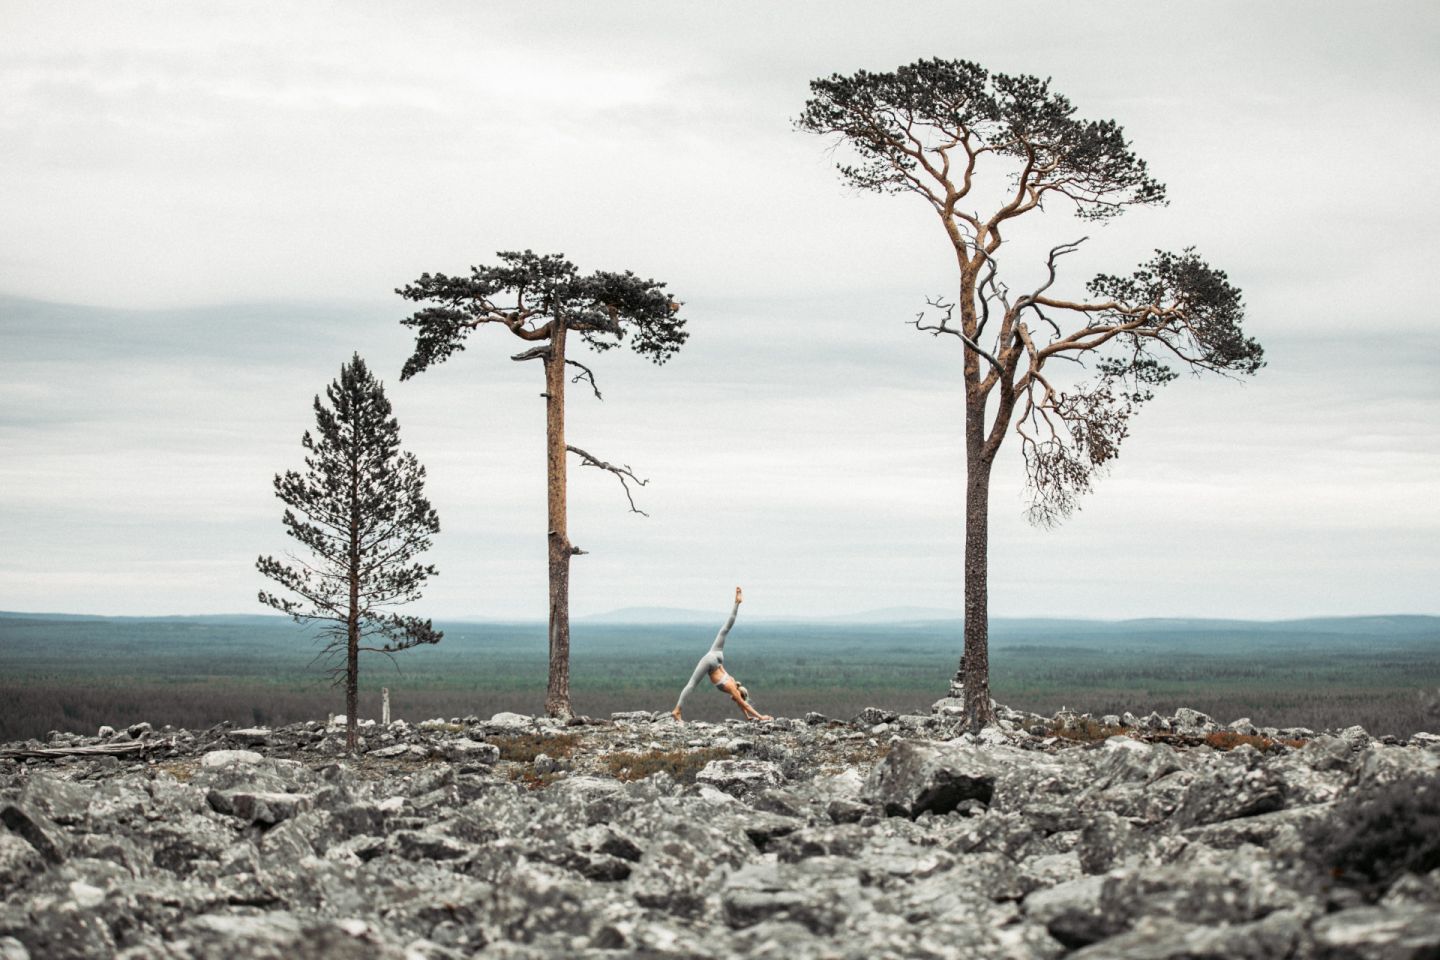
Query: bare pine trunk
x=352 y=621
x=557 y=694
x=352 y=678
x=974 y=673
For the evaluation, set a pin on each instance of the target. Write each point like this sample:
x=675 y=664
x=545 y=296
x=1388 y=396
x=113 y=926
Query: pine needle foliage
x=360 y=514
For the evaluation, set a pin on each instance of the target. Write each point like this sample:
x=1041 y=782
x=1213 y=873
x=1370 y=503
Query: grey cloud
x=161 y=162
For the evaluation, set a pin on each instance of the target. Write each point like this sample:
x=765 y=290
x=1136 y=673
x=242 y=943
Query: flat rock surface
x=885 y=836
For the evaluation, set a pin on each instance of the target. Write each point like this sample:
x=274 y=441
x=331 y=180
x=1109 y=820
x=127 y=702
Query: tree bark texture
x=352 y=620
x=974 y=672
x=557 y=693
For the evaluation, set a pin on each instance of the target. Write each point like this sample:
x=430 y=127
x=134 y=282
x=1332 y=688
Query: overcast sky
x=206 y=208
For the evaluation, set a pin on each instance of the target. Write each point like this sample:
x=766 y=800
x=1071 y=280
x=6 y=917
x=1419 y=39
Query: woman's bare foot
x=676 y=714
x=738 y=597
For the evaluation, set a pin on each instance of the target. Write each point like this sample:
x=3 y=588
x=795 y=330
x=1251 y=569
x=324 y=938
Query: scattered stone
x=411 y=750
x=795 y=839
x=18 y=861
x=917 y=777
x=471 y=751
x=1192 y=721
x=35 y=829
x=739 y=777
x=1243 y=727
x=250 y=736
x=264 y=808
x=872 y=716
x=514 y=721
x=225 y=758
x=1379 y=933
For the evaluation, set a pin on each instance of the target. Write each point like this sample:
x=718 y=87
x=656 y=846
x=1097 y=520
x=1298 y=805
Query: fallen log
x=91 y=750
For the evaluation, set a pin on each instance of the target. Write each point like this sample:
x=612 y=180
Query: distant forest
x=77 y=673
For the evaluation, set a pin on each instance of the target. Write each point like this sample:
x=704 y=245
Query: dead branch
x=1056 y=252
x=585 y=374
x=621 y=472
x=944 y=327
x=987 y=280
x=534 y=353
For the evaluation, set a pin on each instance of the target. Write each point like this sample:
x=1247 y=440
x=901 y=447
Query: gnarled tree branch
x=585 y=374
x=621 y=472
x=944 y=327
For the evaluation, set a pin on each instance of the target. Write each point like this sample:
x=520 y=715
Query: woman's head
x=744 y=694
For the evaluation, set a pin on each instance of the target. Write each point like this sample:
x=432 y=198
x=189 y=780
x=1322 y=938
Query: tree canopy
x=938 y=128
x=603 y=307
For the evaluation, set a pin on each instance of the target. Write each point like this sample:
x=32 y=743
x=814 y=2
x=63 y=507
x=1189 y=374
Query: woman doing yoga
x=713 y=665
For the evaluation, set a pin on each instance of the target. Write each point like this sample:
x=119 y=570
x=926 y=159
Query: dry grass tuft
x=181 y=770
x=531 y=780
x=525 y=747
x=1229 y=740
x=1088 y=730
x=866 y=754
x=679 y=763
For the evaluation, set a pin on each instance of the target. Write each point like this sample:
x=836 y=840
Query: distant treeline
x=76 y=674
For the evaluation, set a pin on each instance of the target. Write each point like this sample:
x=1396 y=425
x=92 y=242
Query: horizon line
x=685 y=616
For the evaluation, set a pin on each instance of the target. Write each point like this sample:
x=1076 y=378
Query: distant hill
x=215 y=619
x=683 y=615
x=648 y=615
x=1158 y=628
x=899 y=615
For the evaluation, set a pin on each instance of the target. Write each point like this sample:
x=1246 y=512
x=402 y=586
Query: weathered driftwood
x=97 y=749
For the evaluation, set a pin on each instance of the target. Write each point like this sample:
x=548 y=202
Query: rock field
x=881 y=836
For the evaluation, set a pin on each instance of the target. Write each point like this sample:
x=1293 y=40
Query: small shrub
x=525 y=747
x=1372 y=837
x=681 y=764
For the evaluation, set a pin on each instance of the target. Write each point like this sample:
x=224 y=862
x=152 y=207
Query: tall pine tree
x=958 y=136
x=553 y=305
x=360 y=511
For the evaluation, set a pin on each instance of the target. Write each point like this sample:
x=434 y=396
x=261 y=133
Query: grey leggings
x=714 y=657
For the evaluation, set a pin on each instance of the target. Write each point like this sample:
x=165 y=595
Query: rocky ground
x=882 y=836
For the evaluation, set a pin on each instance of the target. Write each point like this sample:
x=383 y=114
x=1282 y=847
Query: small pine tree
x=360 y=511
